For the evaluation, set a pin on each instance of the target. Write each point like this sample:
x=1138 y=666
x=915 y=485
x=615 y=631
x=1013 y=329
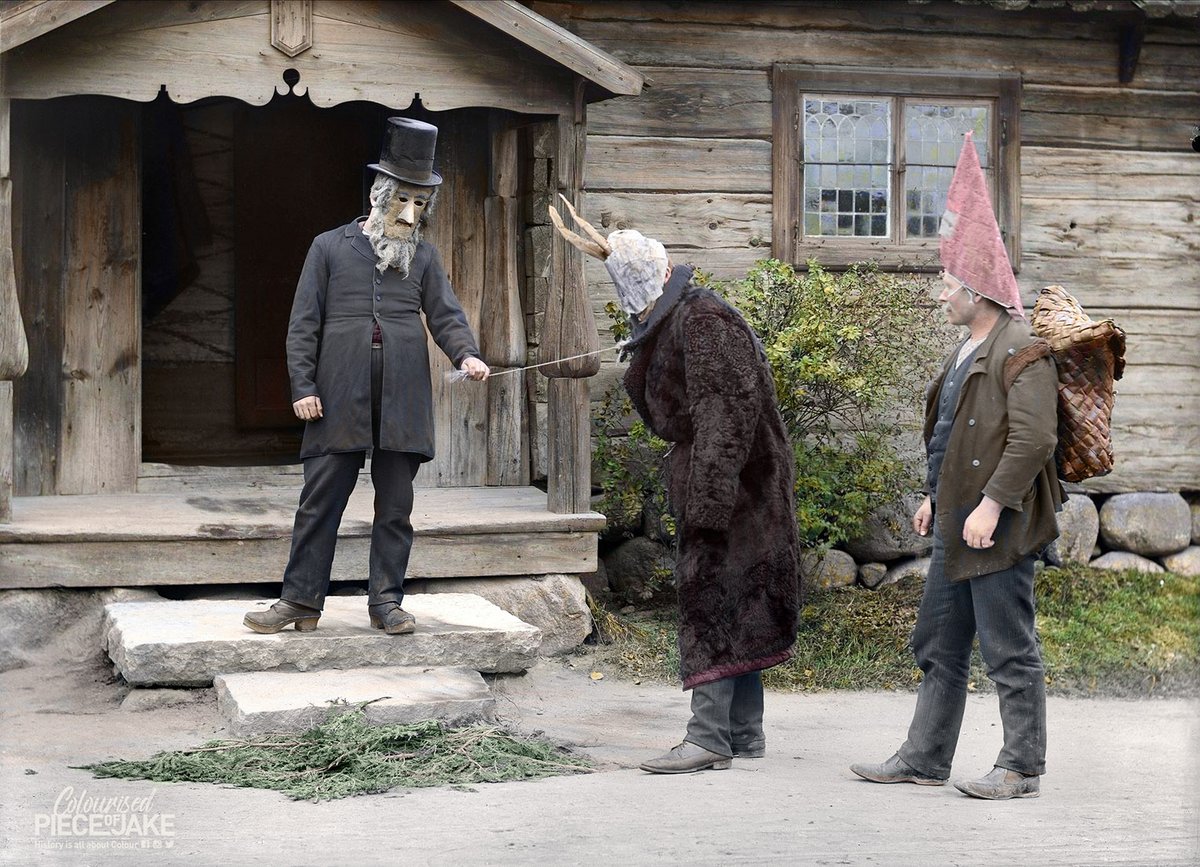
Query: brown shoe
x=392 y=619
x=687 y=758
x=896 y=770
x=281 y=615
x=1001 y=785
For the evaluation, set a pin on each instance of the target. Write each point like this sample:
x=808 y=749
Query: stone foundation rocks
x=1120 y=560
x=1186 y=562
x=1146 y=524
x=1078 y=529
x=555 y=604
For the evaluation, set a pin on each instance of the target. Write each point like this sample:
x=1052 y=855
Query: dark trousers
x=328 y=482
x=728 y=713
x=1000 y=608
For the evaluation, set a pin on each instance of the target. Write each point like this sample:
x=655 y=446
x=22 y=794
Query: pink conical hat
x=971 y=248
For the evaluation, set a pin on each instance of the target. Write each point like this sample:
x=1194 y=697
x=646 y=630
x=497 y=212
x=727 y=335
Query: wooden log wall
x=76 y=245
x=1111 y=189
x=14 y=348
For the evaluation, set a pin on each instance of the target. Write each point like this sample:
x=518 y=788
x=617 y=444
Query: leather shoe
x=1002 y=784
x=392 y=619
x=896 y=770
x=281 y=615
x=687 y=758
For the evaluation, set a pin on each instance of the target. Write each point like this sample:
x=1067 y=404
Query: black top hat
x=408 y=152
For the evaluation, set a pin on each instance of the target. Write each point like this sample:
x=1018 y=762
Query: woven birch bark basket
x=1091 y=356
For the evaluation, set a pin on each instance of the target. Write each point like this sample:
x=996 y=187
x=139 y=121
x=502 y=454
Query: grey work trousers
x=727 y=714
x=1000 y=608
x=328 y=482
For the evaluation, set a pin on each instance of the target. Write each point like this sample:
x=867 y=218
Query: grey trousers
x=328 y=482
x=1000 y=608
x=728 y=714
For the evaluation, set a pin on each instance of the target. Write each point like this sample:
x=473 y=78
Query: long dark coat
x=339 y=295
x=1002 y=444
x=699 y=380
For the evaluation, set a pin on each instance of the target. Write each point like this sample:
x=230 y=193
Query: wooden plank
x=100 y=441
x=226 y=507
x=1105 y=228
x=226 y=58
x=1087 y=173
x=6 y=451
x=687 y=221
x=869 y=16
x=39 y=178
x=1116 y=281
x=507 y=453
x=683 y=164
x=153 y=14
x=14 y=347
x=568 y=468
x=1039 y=60
x=30 y=21
x=137 y=564
x=1103 y=131
x=570 y=329
x=1124 y=102
x=547 y=38
x=704 y=103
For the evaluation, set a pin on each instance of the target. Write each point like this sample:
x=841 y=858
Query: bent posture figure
x=700 y=380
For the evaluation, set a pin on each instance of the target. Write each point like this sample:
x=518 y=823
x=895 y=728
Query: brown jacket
x=1002 y=445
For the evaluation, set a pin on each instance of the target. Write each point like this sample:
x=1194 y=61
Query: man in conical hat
x=991 y=495
x=700 y=380
x=360 y=379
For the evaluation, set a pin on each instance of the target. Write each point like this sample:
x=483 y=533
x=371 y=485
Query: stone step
x=173 y=643
x=268 y=701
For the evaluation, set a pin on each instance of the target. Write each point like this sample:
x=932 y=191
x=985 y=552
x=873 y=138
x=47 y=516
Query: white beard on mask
x=392 y=252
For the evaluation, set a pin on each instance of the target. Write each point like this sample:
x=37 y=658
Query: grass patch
x=1115 y=633
x=346 y=756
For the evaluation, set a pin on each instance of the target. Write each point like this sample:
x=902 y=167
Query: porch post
x=14 y=348
x=570 y=330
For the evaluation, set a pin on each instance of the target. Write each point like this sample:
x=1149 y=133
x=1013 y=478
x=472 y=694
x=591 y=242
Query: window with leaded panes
x=863 y=160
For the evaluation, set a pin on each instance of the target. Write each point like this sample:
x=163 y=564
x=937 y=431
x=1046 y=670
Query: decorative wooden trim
x=291 y=26
x=788 y=80
x=556 y=43
x=29 y=21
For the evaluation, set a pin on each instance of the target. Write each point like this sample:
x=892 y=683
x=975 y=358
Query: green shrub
x=851 y=352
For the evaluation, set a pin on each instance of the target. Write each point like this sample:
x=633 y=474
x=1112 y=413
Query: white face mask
x=638 y=267
x=401 y=214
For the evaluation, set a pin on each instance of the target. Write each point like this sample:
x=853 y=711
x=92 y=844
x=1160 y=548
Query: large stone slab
x=188 y=643
x=260 y=702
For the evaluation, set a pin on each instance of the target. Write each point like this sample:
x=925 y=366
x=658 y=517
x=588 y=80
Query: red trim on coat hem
x=734 y=670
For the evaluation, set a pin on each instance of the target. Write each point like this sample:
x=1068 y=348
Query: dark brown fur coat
x=699 y=380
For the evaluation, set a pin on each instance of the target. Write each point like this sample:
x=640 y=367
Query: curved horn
x=591 y=248
x=587 y=227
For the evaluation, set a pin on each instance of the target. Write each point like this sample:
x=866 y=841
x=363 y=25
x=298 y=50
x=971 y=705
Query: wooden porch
x=233 y=526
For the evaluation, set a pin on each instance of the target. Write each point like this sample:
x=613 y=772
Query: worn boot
x=896 y=770
x=392 y=619
x=1002 y=784
x=281 y=615
x=687 y=758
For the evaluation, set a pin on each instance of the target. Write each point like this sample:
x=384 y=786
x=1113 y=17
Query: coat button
x=971 y=422
x=1012 y=351
x=975 y=462
x=378 y=297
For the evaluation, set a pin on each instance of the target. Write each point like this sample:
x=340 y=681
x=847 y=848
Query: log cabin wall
x=76 y=248
x=1110 y=188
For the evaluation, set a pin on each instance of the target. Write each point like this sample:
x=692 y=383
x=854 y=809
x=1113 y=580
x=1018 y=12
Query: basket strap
x=1014 y=364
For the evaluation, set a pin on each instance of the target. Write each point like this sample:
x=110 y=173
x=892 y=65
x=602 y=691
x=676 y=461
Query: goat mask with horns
x=636 y=264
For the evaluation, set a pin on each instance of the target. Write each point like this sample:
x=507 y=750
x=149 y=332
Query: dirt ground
x=1123 y=787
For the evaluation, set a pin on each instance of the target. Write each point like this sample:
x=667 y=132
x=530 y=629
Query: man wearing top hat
x=359 y=371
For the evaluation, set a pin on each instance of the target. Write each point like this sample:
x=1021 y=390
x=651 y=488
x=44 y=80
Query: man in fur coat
x=700 y=380
x=360 y=379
